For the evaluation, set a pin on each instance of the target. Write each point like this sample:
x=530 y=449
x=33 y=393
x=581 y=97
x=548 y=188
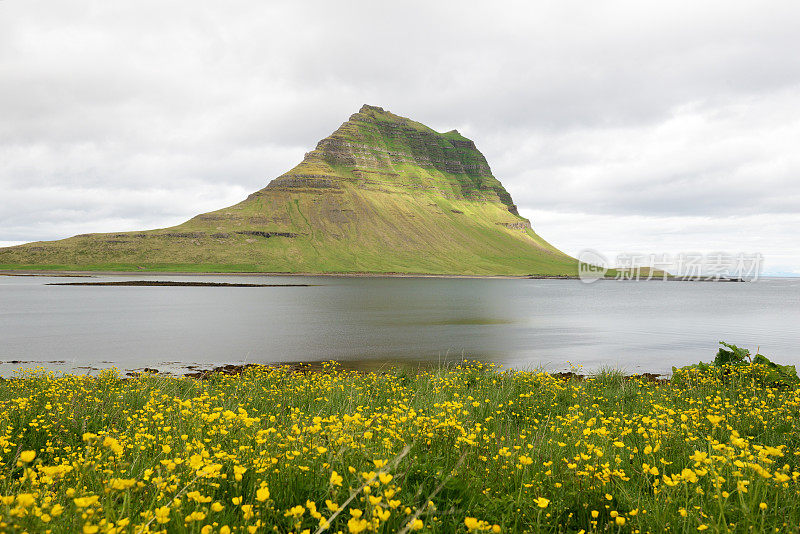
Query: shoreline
x=89 y=274
x=67 y=273
x=197 y=372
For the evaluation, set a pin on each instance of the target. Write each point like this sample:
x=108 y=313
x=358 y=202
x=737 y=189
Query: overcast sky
x=654 y=127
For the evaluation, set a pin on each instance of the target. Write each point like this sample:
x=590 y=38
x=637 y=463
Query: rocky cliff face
x=382 y=193
x=381 y=149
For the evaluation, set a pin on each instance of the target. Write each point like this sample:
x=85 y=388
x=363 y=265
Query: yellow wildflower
x=162 y=514
x=356 y=525
x=541 y=502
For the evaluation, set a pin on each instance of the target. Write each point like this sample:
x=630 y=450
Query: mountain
x=382 y=194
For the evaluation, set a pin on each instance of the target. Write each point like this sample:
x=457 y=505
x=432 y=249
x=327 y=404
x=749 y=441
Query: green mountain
x=382 y=194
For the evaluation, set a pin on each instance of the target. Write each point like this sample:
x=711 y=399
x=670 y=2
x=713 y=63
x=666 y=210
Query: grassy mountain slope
x=382 y=194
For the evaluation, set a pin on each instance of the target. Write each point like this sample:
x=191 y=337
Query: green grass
x=451 y=448
x=401 y=198
x=149 y=267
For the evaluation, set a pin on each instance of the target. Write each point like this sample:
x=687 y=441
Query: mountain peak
x=382 y=193
x=366 y=108
x=377 y=114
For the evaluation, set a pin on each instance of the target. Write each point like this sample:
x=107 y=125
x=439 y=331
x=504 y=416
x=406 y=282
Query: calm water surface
x=634 y=326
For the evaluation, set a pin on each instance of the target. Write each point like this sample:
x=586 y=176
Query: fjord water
x=644 y=326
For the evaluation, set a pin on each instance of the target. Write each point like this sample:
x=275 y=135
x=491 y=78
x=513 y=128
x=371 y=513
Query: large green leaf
x=730 y=356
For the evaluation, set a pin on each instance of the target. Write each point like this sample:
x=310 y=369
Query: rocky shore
x=169 y=283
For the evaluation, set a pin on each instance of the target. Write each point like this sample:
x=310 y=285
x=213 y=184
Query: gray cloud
x=633 y=115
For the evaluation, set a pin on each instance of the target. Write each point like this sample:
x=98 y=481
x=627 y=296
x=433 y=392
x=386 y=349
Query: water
x=373 y=322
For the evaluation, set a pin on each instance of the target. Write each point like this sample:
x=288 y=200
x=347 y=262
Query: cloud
x=634 y=117
x=615 y=236
x=733 y=159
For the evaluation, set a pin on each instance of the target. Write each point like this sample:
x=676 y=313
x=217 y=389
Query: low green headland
x=382 y=194
x=469 y=448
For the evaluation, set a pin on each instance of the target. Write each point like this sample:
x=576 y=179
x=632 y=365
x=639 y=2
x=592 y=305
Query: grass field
x=352 y=231
x=460 y=449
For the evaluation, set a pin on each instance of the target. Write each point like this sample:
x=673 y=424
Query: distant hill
x=382 y=194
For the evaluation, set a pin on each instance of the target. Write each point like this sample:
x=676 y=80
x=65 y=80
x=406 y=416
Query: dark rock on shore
x=161 y=283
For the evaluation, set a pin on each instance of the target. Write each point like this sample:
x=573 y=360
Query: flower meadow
x=468 y=448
